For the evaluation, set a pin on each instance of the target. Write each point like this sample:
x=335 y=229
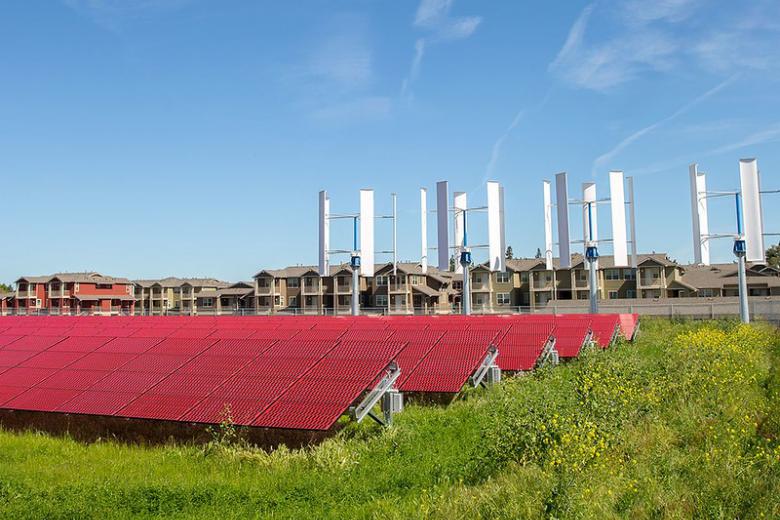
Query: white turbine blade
x=324 y=243
x=548 y=231
x=753 y=221
x=562 y=202
x=632 y=220
x=442 y=225
x=701 y=246
x=495 y=227
x=618 y=213
x=367 y=232
x=424 y=229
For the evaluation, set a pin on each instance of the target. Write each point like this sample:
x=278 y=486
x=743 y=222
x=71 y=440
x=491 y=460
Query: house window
x=613 y=295
x=37 y=302
x=380 y=300
x=381 y=281
x=457 y=285
x=54 y=287
x=103 y=286
x=293 y=301
x=707 y=293
x=503 y=298
x=208 y=302
x=76 y=287
x=582 y=295
x=293 y=283
x=503 y=277
x=630 y=293
x=629 y=274
x=309 y=301
x=279 y=300
x=479 y=299
x=263 y=282
x=523 y=277
x=613 y=274
x=309 y=282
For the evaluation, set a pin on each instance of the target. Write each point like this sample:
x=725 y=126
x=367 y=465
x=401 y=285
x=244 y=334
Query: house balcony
x=265 y=289
x=651 y=282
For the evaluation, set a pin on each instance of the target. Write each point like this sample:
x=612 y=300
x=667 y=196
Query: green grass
x=683 y=423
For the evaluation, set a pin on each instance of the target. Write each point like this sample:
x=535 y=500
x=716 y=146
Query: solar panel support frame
x=385 y=386
x=488 y=366
x=549 y=354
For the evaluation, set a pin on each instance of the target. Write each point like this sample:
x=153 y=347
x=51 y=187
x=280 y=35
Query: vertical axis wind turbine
x=496 y=234
x=749 y=236
x=590 y=239
x=362 y=258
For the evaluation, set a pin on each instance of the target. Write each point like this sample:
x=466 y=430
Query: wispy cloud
x=495 y=152
x=335 y=79
x=344 y=60
x=363 y=108
x=770 y=134
x=635 y=37
x=605 y=159
x=414 y=69
x=433 y=17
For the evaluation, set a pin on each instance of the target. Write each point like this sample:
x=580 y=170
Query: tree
x=773 y=255
x=509 y=254
x=6 y=288
x=452 y=263
x=538 y=253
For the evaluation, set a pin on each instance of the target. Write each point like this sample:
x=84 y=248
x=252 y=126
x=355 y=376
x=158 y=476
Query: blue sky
x=190 y=137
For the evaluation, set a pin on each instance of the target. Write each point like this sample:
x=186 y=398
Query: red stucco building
x=74 y=293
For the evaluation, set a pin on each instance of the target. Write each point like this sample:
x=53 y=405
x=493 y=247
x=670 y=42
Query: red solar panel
x=183 y=385
x=239 y=347
x=11 y=358
x=151 y=406
x=7 y=339
x=217 y=409
x=97 y=403
x=34 y=343
x=300 y=416
x=79 y=344
x=125 y=381
x=69 y=379
x=52 y=359
x=9 y=392
x=155 y=363
x=102 y=361
x=215 y=365
x=129 y=345
x=42 y=399
x=181 y=346
x=301 y=372
x=25 y=377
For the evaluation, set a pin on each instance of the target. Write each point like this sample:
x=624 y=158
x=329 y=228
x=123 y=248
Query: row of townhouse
x=400 y=288
x=66 y=293
x=526 y=284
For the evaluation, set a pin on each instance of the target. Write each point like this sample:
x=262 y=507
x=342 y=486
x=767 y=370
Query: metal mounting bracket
x=549 y=354
x=488 y=365
x=392 y=399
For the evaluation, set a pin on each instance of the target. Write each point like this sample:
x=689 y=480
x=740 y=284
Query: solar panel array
x=272 y=372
